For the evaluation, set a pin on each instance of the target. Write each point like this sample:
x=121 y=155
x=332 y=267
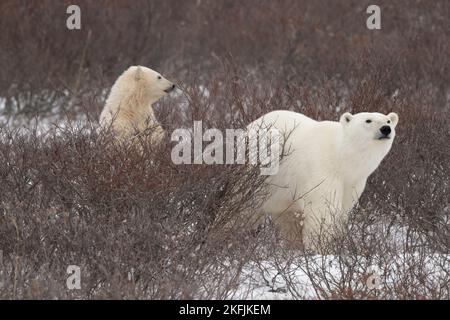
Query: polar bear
x=325 y=169
x=128 y=109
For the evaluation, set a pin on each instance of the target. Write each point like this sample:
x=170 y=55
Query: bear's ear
x=138 y=73
x=393 y=117
x=346 y=118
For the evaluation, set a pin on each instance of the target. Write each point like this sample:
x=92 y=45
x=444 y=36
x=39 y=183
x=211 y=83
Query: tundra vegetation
x=140 y=226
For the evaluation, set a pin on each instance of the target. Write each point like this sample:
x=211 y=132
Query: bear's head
x=148 y=83
x=370 y=128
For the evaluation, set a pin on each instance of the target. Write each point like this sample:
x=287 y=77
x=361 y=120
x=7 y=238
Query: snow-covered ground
x=294 y=275
x=307 y=276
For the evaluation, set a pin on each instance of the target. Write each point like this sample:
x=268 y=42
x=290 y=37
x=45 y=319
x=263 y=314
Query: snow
x=308 y=275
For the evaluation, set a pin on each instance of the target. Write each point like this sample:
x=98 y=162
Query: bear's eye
x=159 y=77
x=368 y=121
x=389 y=121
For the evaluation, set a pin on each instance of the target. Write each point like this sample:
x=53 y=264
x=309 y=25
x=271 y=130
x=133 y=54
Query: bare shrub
x=140 y=226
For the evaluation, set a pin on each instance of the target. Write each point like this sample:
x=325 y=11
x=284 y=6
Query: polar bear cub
x=325 y=170
x=128 y=109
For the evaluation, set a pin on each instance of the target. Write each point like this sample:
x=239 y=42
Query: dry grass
x=142 y=227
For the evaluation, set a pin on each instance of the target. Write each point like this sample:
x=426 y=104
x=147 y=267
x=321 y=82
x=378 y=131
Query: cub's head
x=147 y=82
x=368 y=128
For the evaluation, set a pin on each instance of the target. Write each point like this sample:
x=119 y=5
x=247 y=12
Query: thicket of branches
x=140 y=226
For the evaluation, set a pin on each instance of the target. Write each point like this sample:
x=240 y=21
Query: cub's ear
x=393 y=117
x=346 y=118
x=138 y=73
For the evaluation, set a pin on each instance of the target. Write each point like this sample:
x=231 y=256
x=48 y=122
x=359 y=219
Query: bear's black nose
x=385 y=130
x=169 y=89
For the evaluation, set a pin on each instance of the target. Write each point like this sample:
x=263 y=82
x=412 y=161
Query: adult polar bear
x=325 y=170
x=128 y=109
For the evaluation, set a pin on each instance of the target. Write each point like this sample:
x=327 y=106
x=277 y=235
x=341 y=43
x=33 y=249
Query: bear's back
x=283 y=120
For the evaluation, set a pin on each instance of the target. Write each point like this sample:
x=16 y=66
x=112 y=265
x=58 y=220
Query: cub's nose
x=385 y=130
x=169 y=89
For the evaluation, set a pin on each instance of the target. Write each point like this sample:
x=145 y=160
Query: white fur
x=128 y=109
x=325 y=171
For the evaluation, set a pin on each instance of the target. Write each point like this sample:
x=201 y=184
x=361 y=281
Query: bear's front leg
x=323 y=217
x=290 y=224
